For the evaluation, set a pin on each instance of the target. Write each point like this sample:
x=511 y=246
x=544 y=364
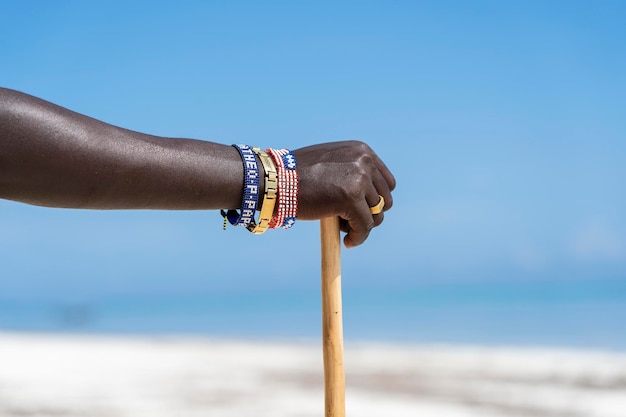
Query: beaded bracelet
x=250 y=190
x=287 y=202
x=269 y=196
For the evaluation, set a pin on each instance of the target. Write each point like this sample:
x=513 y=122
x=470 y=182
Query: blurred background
x=503 y=123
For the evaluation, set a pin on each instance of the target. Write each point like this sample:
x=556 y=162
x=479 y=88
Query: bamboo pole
x=332 y=327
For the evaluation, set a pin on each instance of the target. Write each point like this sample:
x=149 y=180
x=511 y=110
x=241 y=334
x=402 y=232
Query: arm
x=51 y=156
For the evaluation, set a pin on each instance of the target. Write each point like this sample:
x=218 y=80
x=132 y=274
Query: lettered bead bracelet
x=250 y=190
x=287 y=211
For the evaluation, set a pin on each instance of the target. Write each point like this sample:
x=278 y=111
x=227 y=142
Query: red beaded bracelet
x=287 y=200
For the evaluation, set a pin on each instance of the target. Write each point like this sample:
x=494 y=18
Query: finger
x=382 y=189
x=378 y=217
x=385 y=172
x=359 y=226
x=358 y=231
x=362 y=221
x=380 y=165
x=344 y=226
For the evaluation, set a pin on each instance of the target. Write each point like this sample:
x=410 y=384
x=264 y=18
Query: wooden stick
x=332 y=327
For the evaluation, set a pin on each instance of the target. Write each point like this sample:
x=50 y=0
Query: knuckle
x=356 y=186
x=362 y=180
x=365 y=162
x=361 y=149
x=358 y=144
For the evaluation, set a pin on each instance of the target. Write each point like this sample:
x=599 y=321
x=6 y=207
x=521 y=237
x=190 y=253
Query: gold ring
x=378 y=208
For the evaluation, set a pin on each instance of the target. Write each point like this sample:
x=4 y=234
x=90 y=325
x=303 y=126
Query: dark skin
x=54 y=157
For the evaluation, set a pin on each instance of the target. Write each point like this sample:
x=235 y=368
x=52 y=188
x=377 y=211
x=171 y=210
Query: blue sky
x=503 y=123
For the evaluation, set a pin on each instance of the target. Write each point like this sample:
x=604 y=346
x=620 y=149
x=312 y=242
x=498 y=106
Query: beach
x=105 y=376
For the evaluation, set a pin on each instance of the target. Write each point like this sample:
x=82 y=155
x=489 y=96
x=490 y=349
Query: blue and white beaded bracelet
x=250 y=199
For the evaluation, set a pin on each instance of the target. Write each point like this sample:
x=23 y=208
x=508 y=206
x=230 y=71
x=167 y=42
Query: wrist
x=270 y=188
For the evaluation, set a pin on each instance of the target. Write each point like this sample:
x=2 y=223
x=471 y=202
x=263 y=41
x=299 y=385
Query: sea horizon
x=578 y=314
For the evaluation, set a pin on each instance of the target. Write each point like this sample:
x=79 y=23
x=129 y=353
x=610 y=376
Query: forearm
x=51 y=156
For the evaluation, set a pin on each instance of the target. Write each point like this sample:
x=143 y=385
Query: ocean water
x=582 y=314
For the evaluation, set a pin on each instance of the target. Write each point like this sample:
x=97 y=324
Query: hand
x=343 y=179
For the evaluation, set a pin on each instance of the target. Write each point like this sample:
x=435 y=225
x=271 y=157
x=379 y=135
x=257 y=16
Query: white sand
x=63 y=376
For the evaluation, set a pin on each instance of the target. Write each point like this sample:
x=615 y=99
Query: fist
x=343 y=179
